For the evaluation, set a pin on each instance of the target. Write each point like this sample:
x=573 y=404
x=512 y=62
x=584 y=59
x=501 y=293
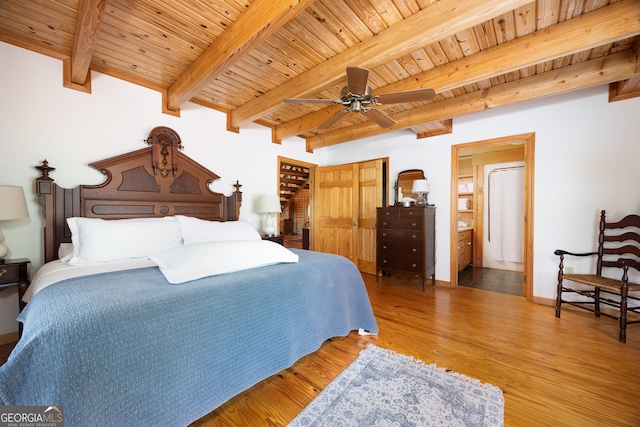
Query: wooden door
x=371 y=183
x=345 y=200
x=335 y=225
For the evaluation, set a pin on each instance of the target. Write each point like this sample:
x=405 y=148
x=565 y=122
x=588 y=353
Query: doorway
x=295 y=180
x=468 y=213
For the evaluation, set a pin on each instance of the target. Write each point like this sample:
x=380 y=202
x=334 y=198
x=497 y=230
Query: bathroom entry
x=470 y=160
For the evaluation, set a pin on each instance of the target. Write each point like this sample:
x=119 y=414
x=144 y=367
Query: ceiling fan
x=357 y=96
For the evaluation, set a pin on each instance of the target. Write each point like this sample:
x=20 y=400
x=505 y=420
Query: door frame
x=528 y=139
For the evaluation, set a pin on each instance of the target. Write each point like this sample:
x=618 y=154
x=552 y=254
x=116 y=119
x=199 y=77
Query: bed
x=164 y=339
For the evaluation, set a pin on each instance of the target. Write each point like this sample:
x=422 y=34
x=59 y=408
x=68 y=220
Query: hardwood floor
x=553 y=372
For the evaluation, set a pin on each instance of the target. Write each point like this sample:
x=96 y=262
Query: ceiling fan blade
x=333 y=119
x=406 y=96
x=310 y=101
x=379 y=117
x=357 y=80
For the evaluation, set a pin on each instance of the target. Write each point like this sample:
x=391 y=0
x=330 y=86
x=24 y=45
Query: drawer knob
x=384 y=223
x=3 y=272
x=384 y=261
x=384 y=247
x=384 y=234
x=414 y=250
x=414 y=224
x=414 y=265
x=414 y=236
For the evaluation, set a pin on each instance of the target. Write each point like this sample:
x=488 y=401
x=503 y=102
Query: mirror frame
x=405 y=180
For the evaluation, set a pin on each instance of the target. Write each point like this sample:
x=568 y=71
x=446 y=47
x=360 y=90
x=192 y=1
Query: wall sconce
x=12 y=206
x=270 y=205
x=421 y=187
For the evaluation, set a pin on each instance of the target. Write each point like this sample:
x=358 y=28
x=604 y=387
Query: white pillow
x=195 y=230
x=99 y=240
x=189 y=262
x=65 y=252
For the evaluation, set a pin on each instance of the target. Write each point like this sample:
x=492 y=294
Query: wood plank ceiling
x=244 y=57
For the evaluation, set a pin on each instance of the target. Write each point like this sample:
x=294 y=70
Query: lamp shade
x=268 y=204
x=420 y=186
x=12 y=203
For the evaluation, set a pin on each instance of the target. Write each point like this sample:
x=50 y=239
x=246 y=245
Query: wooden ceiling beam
x=261 y=19
x=440 y=20
x=608 y=24
x=582 y=75
x=86 y=32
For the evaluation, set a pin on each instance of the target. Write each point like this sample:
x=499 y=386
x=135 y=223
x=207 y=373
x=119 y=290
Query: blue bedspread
x=128 y=348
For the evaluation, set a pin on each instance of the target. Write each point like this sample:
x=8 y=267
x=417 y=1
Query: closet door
x=371 y=182
x=345 y=201
x=335 y=225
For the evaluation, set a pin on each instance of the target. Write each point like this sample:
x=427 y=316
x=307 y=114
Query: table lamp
x=421 y=188
x=269 y=204
x=12 y=206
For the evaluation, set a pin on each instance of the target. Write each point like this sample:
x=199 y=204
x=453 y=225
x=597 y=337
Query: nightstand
x=278 y=239
x=13 y=272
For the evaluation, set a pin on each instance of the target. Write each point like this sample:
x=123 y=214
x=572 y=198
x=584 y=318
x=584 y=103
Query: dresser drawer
x=462 y=235
x=410 y=265
x=9 y=273
x=400 y=249
x=400 y=236
x=402 y=223
x=411 y=213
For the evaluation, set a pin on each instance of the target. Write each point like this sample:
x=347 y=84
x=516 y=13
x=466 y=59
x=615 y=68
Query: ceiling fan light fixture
x=357 y=96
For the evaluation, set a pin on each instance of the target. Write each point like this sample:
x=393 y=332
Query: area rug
x=383 y=388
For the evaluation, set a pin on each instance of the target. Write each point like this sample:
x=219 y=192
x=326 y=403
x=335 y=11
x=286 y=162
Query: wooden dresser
x=406 y=241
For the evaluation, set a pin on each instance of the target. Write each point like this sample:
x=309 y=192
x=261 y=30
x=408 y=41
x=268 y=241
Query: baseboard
x=9 y=338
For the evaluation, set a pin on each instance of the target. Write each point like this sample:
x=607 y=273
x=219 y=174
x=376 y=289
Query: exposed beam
x=427 y=130
x=608 y=24
x=261 y=19
x=438 y=21
x=582 y=75
x=89 y=18
x=630 y=88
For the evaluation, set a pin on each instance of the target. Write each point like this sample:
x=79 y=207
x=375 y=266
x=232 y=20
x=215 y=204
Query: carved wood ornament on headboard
x=152 y=182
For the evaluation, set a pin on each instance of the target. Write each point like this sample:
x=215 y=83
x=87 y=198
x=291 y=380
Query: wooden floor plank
x=553 y=372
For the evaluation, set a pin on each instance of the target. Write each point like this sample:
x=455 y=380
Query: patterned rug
x=383 y=388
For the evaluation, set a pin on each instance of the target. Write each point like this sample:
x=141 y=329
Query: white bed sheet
x=57 y=270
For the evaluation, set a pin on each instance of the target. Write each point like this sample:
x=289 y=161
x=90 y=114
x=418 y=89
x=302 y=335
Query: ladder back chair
x=618 y=252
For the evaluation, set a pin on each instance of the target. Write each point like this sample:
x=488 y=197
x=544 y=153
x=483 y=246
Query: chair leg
x=623 y=312
x=559 y=288
x=596 y=304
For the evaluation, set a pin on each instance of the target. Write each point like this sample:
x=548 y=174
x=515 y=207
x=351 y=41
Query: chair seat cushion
x=600 y=282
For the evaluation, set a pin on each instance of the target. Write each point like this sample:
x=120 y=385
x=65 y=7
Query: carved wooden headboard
x=152 y=182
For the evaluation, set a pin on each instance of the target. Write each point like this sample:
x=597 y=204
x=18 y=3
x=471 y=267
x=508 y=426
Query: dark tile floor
x=506 y=282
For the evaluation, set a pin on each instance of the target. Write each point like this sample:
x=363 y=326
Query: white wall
x=40 y=119
x=586 y=155
x=586 y=160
